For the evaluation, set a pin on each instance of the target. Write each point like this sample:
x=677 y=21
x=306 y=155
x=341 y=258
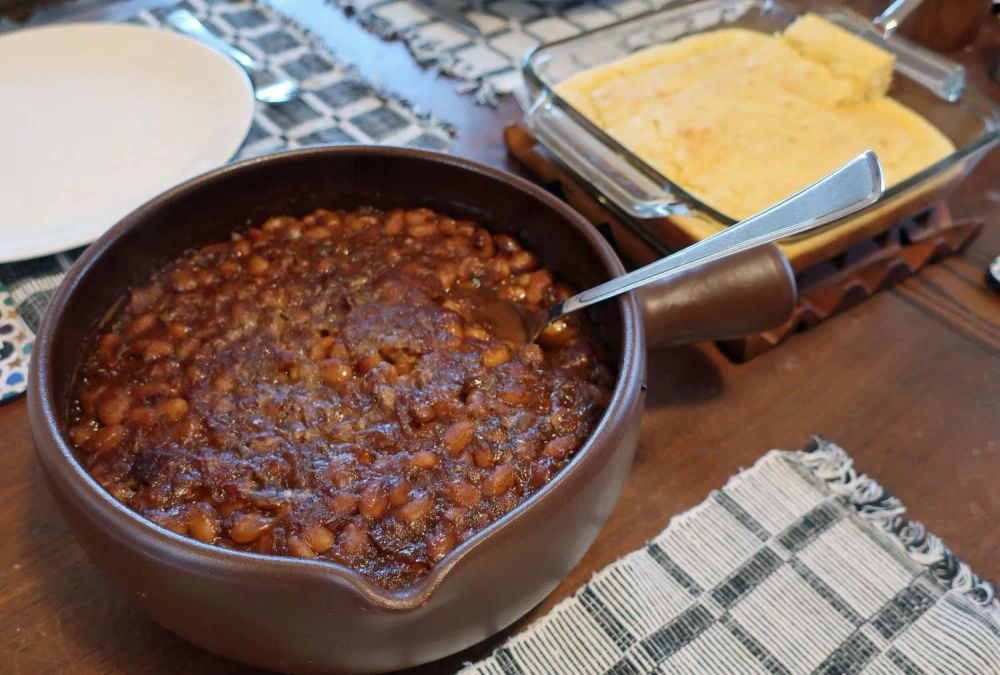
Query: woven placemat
x=800 y=564
x=336 y=106
x=488 y=64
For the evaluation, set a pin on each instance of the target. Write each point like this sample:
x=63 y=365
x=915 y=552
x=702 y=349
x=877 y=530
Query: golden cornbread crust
x=741 y=119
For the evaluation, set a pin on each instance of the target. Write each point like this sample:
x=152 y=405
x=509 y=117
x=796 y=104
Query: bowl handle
x=738 y=296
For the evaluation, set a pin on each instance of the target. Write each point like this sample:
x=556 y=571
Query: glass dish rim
x=988 y=110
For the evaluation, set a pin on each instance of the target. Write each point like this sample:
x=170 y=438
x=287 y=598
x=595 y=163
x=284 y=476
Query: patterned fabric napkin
x=798 y=565
x=337 y=106
x=15 y=348
x=25 y=289
x=489 y=64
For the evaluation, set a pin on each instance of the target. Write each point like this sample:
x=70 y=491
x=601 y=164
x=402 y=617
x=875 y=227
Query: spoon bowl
x=266 y=88
x=273 y=92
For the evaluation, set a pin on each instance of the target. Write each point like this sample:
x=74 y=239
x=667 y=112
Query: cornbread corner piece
x=844 y=53
x=576 y=92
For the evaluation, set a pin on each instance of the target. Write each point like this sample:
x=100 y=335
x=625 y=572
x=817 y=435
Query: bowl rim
x=57 y=456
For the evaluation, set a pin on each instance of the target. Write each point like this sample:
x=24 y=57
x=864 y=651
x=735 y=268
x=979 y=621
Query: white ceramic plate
x=97 y=118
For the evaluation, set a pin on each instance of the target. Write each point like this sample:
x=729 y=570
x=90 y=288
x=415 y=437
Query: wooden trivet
x=829 y=288
x=825 y=288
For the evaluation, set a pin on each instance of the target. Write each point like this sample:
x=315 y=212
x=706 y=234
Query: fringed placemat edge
x=832 y=464
x=378 y=87
x=832 y=467
x=427 y=52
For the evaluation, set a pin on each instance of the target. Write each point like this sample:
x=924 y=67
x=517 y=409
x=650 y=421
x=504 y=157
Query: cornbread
x=867 y=67
x=741 y=119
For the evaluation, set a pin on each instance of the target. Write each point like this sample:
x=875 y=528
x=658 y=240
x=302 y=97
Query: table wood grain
x=908 y=383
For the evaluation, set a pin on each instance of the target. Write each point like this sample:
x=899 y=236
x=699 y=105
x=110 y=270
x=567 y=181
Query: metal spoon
x=266 y=88
x=850 y=188
x=895 y=14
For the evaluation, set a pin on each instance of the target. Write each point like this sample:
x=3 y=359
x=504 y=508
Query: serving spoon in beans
x=852 y=187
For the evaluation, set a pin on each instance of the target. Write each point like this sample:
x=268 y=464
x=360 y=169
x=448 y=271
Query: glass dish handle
x=618 y=181
x=895 y=14
x=942 y=76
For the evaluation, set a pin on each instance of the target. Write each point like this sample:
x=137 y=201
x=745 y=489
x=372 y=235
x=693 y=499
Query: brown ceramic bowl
x=306 y=616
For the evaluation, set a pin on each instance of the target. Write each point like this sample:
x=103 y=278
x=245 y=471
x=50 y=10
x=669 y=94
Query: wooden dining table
x=907 y=382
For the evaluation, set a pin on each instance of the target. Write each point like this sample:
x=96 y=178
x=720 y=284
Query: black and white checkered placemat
x=489 y=64
x=798 y=565
x=336 y=106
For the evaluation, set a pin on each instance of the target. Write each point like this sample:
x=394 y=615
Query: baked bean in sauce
x=315 y=387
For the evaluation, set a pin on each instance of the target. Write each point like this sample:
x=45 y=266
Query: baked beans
x=316 y=387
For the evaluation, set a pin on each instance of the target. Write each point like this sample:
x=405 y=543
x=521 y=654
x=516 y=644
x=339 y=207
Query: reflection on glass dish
x=641 y=191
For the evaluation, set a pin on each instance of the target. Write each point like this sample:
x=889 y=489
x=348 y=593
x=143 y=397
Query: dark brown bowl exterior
x=306 y=616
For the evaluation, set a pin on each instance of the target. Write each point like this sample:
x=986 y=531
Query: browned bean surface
x=314 y=388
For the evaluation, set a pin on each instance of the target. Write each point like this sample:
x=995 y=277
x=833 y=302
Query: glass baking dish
x=642 y=197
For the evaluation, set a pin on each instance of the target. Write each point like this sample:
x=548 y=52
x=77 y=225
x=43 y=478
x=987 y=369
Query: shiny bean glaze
x=314 y=388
